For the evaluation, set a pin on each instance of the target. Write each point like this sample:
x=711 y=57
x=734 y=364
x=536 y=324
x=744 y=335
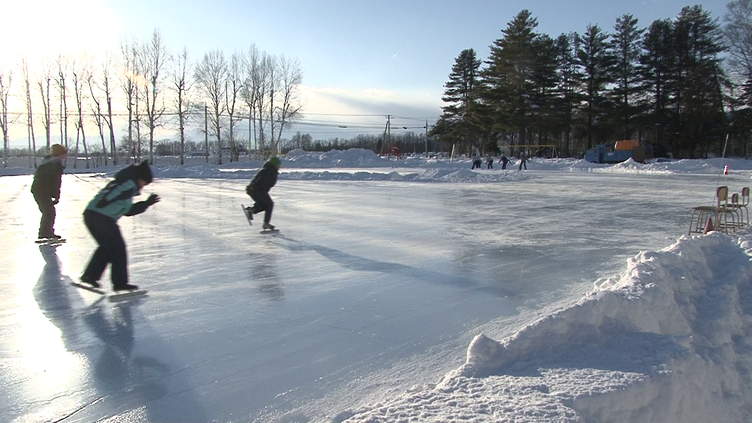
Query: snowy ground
x=369 y=306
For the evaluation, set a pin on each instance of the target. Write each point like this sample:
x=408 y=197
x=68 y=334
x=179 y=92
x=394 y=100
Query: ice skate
x=88 y=284
x=248 y=211
x=126 y=287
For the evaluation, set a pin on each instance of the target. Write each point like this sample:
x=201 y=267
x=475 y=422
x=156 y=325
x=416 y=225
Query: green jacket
x=116 y=199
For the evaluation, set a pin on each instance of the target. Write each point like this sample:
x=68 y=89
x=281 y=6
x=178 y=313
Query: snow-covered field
x=397 y=290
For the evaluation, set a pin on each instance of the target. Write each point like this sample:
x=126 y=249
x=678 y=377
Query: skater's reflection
x=123 y=379
x=114 y=369
x=51 y=295
x=264 y=275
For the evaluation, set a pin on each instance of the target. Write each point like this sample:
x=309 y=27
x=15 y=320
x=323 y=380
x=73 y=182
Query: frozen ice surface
x=395 y=291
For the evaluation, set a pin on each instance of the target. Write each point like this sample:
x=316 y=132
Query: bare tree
x=130 y=83
x=738 y=32
x=62 y=91
x=44 y=83
x=181 y=86
x=154 y=56
x=107 y=89
x=262 y=78
x=290 y=78
x=81 y=75
x=251 y=64
x=210 y=75
x=233 y=87
x=29 y=111
x=100 y=97
x=6 y=79
x=272 y=86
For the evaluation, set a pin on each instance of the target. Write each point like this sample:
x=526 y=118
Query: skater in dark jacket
x=523 y=161
x=259 y=188
x=504 y=160
x=46 y=189
x=100 y=217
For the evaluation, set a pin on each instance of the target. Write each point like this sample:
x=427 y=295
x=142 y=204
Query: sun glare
x=45 y=28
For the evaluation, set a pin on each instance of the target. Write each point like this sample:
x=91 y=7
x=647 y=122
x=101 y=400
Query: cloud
x=370 y=101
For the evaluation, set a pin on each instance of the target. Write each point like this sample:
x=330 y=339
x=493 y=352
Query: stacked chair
x=725 y=215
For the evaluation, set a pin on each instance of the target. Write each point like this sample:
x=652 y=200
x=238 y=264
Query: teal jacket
x=116 y=199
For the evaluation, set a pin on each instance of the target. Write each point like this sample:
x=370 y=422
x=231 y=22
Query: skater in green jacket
x=100 y=217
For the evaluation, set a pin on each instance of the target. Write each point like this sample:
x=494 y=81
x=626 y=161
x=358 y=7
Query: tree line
x=159 y=90
x=682 y=85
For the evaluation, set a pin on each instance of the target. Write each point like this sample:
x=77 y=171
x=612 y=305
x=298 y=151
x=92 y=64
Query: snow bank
x=354 y=164
x=666 y=341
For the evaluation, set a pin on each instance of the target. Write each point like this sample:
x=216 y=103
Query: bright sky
x=373 y=57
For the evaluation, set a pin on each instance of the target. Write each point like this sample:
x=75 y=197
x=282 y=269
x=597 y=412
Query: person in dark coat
x=259 y=188
x=523 y=161
x=101 y=215
x=504 y=160
x=46 y=189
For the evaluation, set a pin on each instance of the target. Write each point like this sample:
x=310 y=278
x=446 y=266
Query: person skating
x=259 y=188
x=476 y=159
x=523 y=161
x=110 y=204
x=504 y=160
x=46 y=189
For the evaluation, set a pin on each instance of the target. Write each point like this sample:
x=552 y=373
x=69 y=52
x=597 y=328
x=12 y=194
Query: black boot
x=87 y=280
x=126 y=287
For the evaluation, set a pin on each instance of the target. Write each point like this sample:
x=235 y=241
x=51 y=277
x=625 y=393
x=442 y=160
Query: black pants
x=46 y=225
x=262 y=203
x=106 y=232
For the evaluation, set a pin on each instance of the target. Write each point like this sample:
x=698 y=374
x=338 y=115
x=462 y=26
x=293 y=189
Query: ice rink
x=371 y=287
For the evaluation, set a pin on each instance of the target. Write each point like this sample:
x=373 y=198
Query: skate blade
x=127 y=295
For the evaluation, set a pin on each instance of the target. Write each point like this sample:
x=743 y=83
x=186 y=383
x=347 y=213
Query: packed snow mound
x=669 y=340
x=353 y=157
x=414 y=167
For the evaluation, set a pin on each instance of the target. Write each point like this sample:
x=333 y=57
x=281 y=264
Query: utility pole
x=389 y=130
x=426 y=138
x=206 y=132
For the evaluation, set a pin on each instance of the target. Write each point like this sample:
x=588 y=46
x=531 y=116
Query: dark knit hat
x=143 y=171
x=275 y=161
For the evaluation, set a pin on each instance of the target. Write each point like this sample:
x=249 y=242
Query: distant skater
x=489 y=162
x=476 y=159
x=523 y=161
x=504 y=161
x=46 y=189
x=259 y=189
x=101 y=215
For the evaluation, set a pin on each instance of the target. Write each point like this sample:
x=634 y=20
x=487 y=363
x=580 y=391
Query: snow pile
x=353 y=157
x=359 y=164
x=666 y=341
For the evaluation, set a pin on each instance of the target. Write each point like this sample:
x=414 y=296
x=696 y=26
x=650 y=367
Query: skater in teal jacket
x=110 y=204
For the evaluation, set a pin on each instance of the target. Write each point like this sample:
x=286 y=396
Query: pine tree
x=626 y=45
x=509 y=77
x=597 y=62
x=462 y=82
x=699 y=99
x=657 y=67
x=569 y=81
x=460 y=95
